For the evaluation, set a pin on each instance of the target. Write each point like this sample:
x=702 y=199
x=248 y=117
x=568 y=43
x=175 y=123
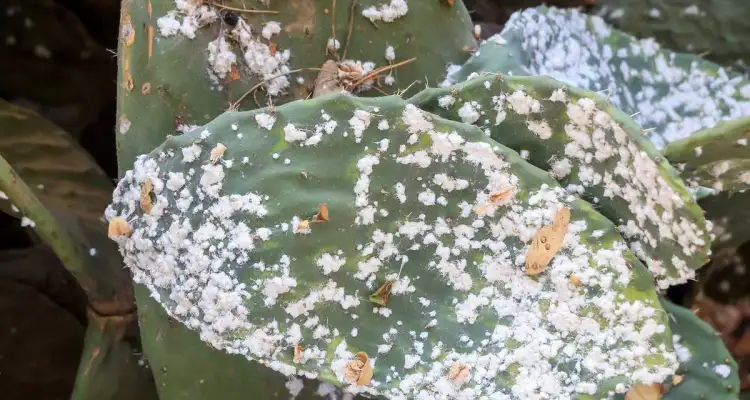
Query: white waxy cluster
x=666 y=94
x=258 y=57
x=200 y=252
x=387 y=12
x=600 y=161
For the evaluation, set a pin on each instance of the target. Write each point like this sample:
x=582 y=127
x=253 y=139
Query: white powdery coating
x=292 y=134
x=390 y=54
x=333 y=44
x=270 y=28
x=270 y=66
x=450 y=71
x=386 y=12
x=265 y=121
x=446 y=101
x=192 y=248
x=260 y=59
x=596 y=141
x=221 y=56
x=469 y=112
x=677 y=101
x=722 y=370
x=194 y=16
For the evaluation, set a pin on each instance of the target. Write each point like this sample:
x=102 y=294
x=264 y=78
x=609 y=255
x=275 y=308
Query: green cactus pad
x=716 y=28
x=707 y=370
x=594 y=150
x=670 y=94
x=187 y=369
x=725 y=278
x=196 y=71
x=718 y=157
x=410 y=200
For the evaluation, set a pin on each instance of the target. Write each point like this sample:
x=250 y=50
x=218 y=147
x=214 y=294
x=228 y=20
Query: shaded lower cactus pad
x=725 y=277
x=670 y=94
x=718 y=157
x=187 y=369
x=379 y=248
x=593 y=150
x=707 y=370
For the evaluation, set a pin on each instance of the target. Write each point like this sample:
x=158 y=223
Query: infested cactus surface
x=594 y=151
x=671 y=95
x=181 y=63
x=717 y=157
x=341 y=236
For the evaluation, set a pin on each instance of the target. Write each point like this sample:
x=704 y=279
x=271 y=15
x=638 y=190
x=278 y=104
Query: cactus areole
x=375 y=246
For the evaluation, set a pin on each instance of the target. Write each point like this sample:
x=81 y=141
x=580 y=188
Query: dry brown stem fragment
x=118 y=226
x=502 y=196
x=575 y=280
x=297 y=354
x=547 y=242
x=358 y=370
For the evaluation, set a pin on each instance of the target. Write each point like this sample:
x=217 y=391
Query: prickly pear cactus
x=707 y=370
x=184 y=62
x=718 y=29
x=593 y=150
x=385 y=250
x=718 y=157
x=671 y=95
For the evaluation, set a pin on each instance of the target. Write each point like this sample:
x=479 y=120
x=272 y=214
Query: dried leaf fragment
x=547 y=242
x=322 y=214
x=303 y=227
x=217 y=152
x=233 y=75
x=358 y=370
x=458 y=373
x=501 y=196
x=381 y=295
x=118 y=226
x=575 y=280
x=676 y=379
x=147 y=203
x=496 y=199
x=297 y=354
x=644 y=392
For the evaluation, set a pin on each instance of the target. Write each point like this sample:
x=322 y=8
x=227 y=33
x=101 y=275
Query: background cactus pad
x=593 y=150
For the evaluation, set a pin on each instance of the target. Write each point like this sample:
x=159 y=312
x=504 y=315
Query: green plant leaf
x=56 y=187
